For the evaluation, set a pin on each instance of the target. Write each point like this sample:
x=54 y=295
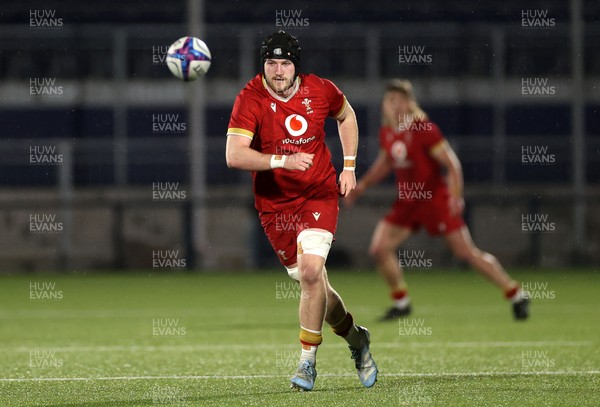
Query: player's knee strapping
x=293 y=272
x=315 y=242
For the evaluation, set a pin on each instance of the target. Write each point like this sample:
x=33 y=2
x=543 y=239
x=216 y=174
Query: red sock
x=510 y=293
x=399 y=294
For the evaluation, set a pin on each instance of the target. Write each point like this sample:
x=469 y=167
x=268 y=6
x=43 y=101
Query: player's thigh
x=388 y=236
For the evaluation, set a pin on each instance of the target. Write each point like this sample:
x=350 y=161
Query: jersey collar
x=276 y=96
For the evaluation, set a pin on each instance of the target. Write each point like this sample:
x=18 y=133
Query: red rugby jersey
x=418 y=174
x=286 y=126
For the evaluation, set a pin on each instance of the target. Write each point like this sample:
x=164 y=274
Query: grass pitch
x=231 y=339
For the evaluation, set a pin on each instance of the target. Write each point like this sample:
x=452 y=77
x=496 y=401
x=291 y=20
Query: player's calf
x=359 y=342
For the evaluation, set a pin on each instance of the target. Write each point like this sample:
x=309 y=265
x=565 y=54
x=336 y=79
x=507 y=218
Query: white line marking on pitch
x=273 y=376
x=121 y=313
x=240 y=347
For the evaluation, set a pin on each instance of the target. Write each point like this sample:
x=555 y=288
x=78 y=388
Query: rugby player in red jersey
x=430 y=195
x=276 y=132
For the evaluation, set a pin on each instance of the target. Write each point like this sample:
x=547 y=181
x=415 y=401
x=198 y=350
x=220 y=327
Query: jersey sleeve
x=433 y=139
x=336 y=99
x=243 y=121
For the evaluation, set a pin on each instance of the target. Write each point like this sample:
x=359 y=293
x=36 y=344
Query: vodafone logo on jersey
x=399 y=153
x=296 y=125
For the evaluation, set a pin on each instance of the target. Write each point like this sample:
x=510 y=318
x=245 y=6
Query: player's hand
x=299 y=161
x=457 y=205
x=354 y=194
x=347 y=182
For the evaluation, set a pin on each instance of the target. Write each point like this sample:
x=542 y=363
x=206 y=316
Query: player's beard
x=280 y=87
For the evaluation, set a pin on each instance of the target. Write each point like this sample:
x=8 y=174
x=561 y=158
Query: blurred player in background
x=430 y=194
x=276 y=132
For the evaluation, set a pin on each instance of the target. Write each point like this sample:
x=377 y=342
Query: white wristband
x=277 y=161
x=349 y=163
